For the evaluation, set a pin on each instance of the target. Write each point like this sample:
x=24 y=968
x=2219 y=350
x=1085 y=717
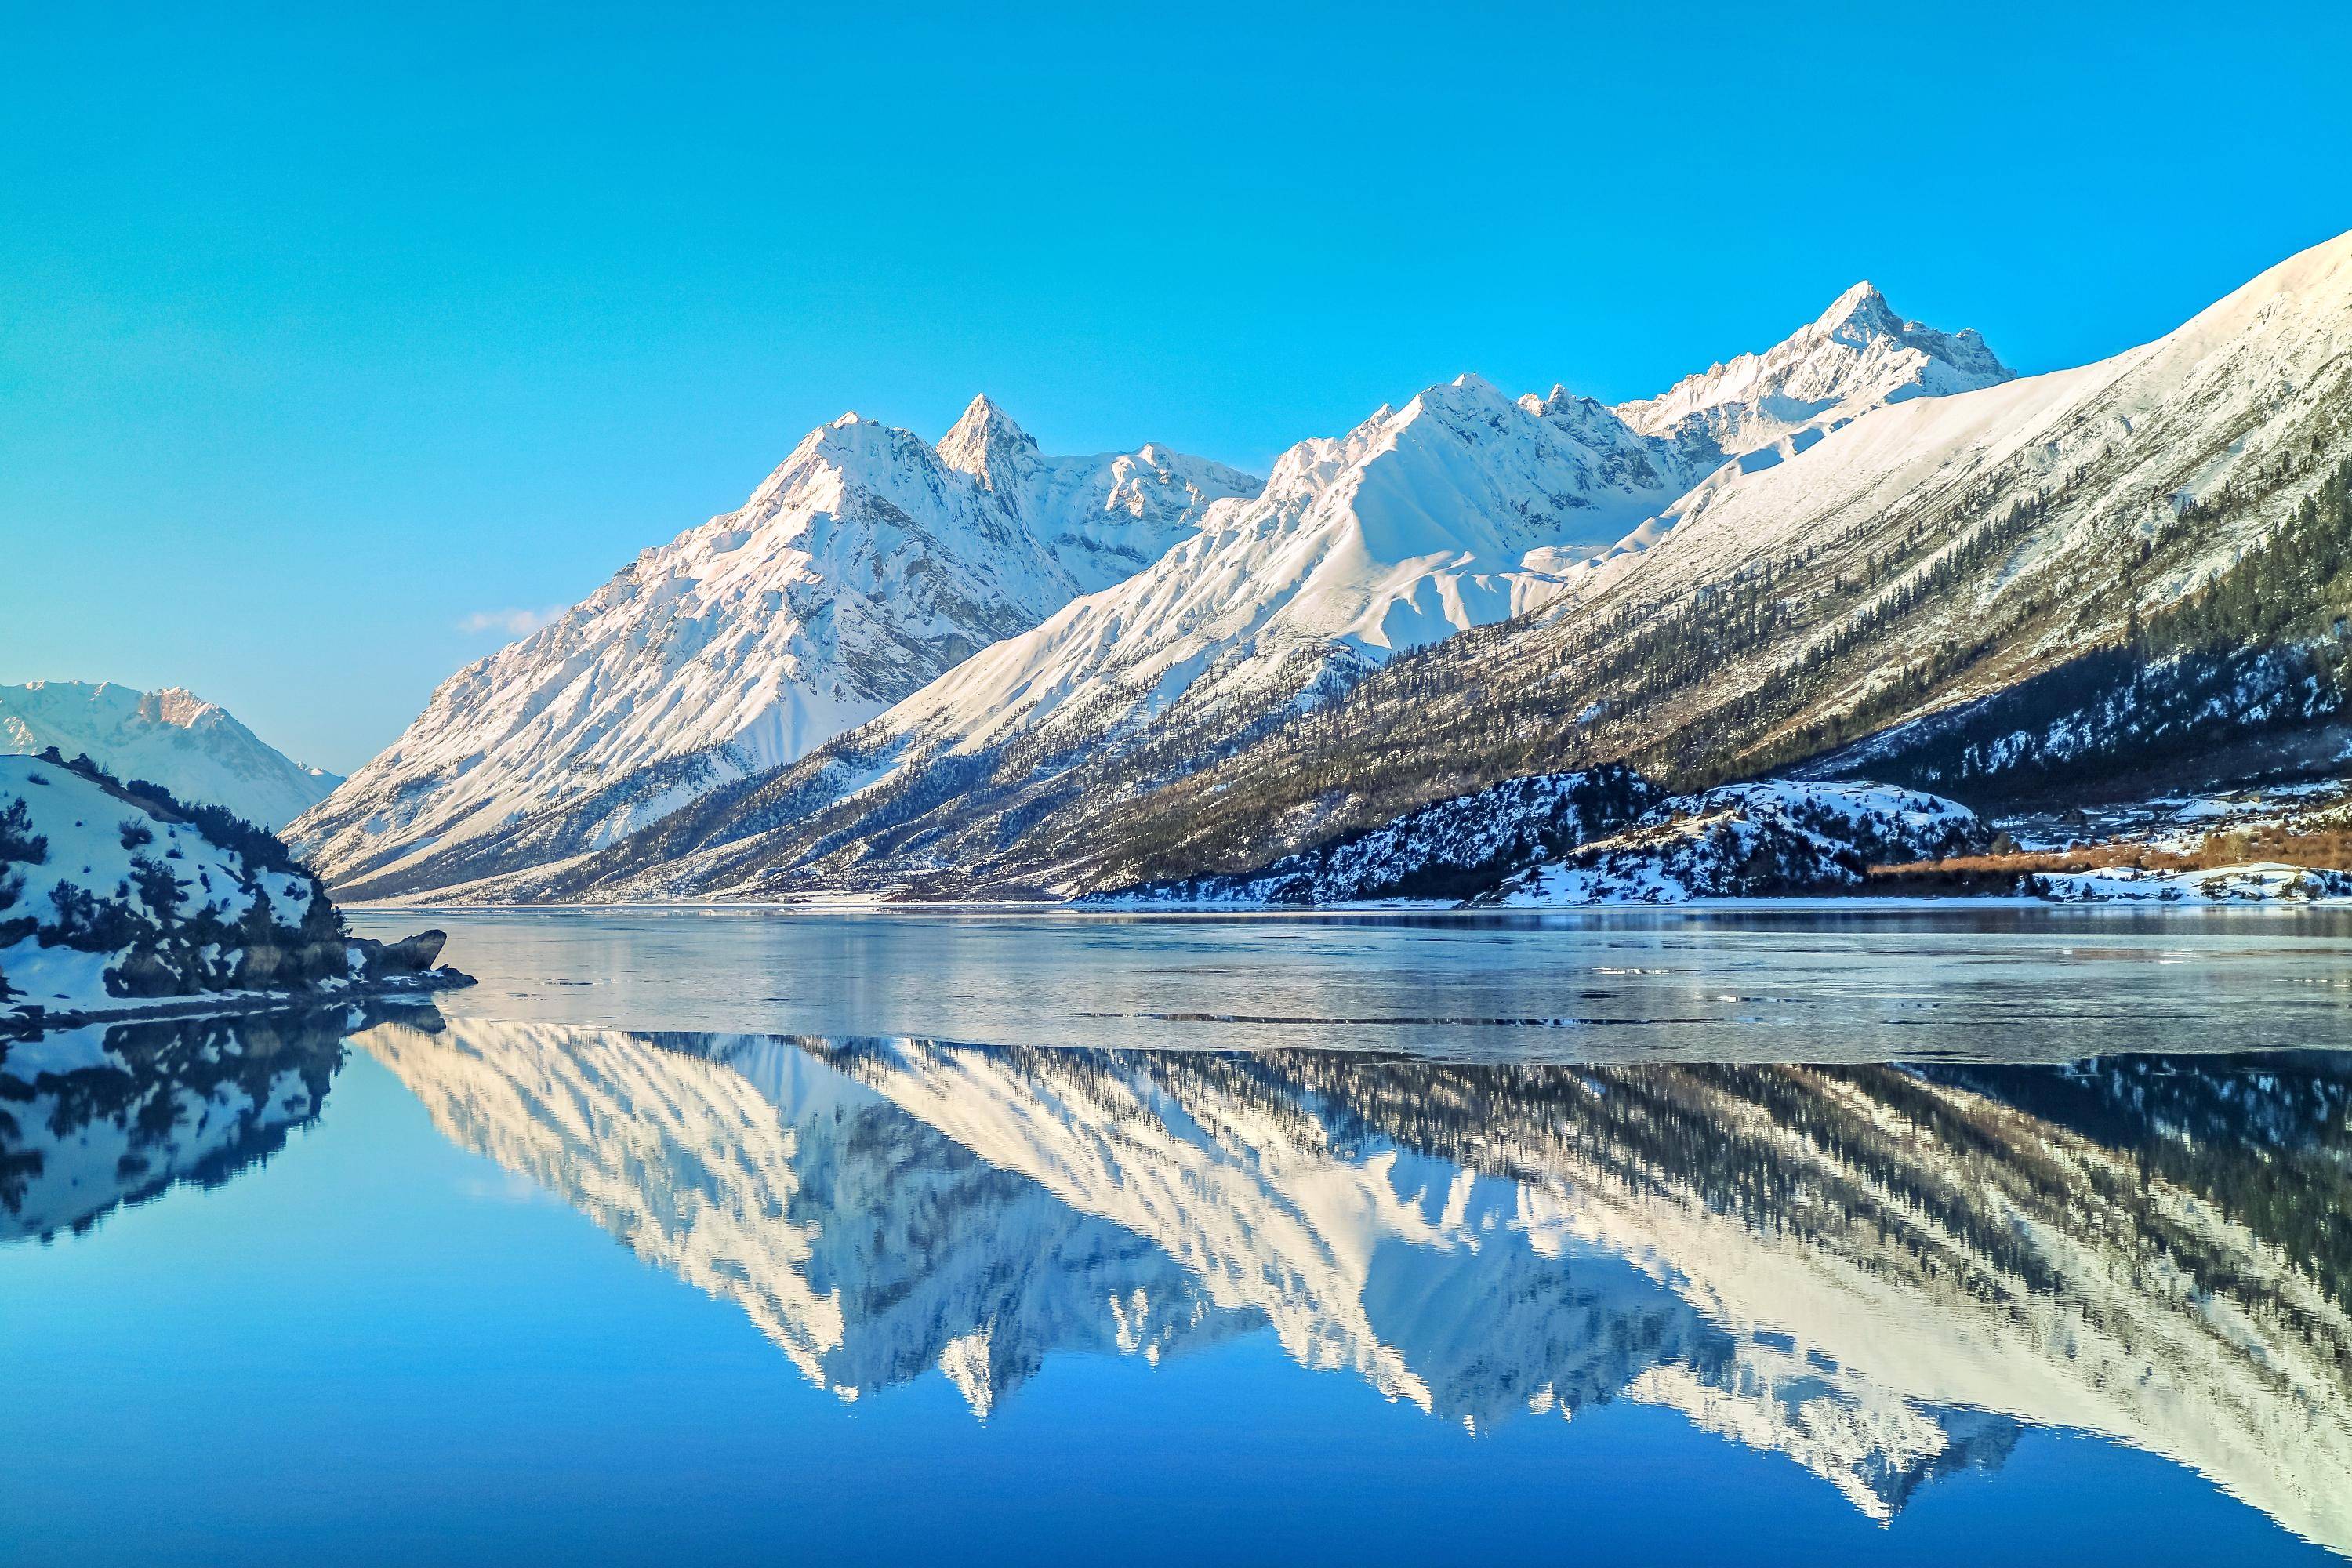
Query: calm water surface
x=719 y=1238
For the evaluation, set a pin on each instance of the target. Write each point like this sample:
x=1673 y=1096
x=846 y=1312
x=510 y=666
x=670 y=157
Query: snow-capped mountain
x=173 y=737
x=1857 y=354
x=1925 y=554
x=868 y=563
x=1461 y=509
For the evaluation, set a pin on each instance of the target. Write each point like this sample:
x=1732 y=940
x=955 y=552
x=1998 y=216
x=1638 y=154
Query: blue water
x=641 y=1269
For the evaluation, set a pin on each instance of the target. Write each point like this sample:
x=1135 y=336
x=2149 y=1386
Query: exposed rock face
x=409 y=955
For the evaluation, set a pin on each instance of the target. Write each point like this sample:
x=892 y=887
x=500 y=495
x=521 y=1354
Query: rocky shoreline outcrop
x=118 y=900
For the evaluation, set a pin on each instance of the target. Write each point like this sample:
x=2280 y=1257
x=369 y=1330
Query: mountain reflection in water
x=1883 y=1273
x=96 y=1118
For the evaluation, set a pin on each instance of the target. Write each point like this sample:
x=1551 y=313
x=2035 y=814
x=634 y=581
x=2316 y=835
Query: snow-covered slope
x=1420 y=522
x=866 y=564
x=2256 y=881
x=1926 y=552
x=1446 y=851
x=115 y=899
x=1758 y=841
x=2114 y=448
x=1603 y=837
x=1461 y=509
x=174 y=738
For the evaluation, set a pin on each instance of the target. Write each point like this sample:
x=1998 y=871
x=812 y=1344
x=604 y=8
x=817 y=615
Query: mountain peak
x=1863 y=307
x=1855 y=354
x=196 y=748
x=985 y=443
x=174 y=705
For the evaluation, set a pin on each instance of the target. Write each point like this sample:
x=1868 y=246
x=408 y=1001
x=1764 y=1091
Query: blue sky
x=329 y=334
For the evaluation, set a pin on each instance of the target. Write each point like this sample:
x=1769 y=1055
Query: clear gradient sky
x=328 y=337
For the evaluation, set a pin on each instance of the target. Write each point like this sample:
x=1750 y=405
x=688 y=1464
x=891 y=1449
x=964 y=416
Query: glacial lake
x=691 y=1236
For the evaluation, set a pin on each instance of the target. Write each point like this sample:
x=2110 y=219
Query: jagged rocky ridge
x=118 y=898
x=2134 y=1247
x=868 y=563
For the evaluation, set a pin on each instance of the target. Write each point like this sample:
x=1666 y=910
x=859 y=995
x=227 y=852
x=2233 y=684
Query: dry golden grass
x=2323 y=848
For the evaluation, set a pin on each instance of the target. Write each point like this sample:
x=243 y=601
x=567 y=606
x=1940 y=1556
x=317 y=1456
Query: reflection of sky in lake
x=878 y=1299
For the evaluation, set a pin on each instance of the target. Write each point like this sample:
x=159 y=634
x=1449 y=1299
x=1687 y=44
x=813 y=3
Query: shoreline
x=1813 y=904
x=34 y=1022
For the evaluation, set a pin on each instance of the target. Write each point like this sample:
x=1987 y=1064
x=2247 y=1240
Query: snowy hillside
x=1459 y=510
x=866 y=564
x=1745 y=841
x=1447 y=851
x=114 y=897
x=1603 y=837
x=174 y=738
x=1923 y=554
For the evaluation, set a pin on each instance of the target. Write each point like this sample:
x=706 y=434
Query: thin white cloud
x=515 y=623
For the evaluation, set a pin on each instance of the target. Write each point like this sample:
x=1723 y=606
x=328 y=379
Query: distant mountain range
x=970 y=670
x=194 y=748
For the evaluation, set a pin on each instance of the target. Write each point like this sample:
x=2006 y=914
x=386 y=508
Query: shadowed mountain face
x=1883 y=1273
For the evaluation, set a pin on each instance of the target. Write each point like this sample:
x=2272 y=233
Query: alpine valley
x=1865 y=610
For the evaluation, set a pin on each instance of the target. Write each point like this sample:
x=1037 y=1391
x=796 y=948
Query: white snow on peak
x=1460 y=509
x=2106 y=445
x=982 y=587
x=1423 y=519
x=985 y=443
x=173 y=737
x=866 y=563
x=1856 y=354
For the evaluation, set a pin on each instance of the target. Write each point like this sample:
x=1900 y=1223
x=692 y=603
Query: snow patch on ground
x=1771 y=839
x=2254 y=881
